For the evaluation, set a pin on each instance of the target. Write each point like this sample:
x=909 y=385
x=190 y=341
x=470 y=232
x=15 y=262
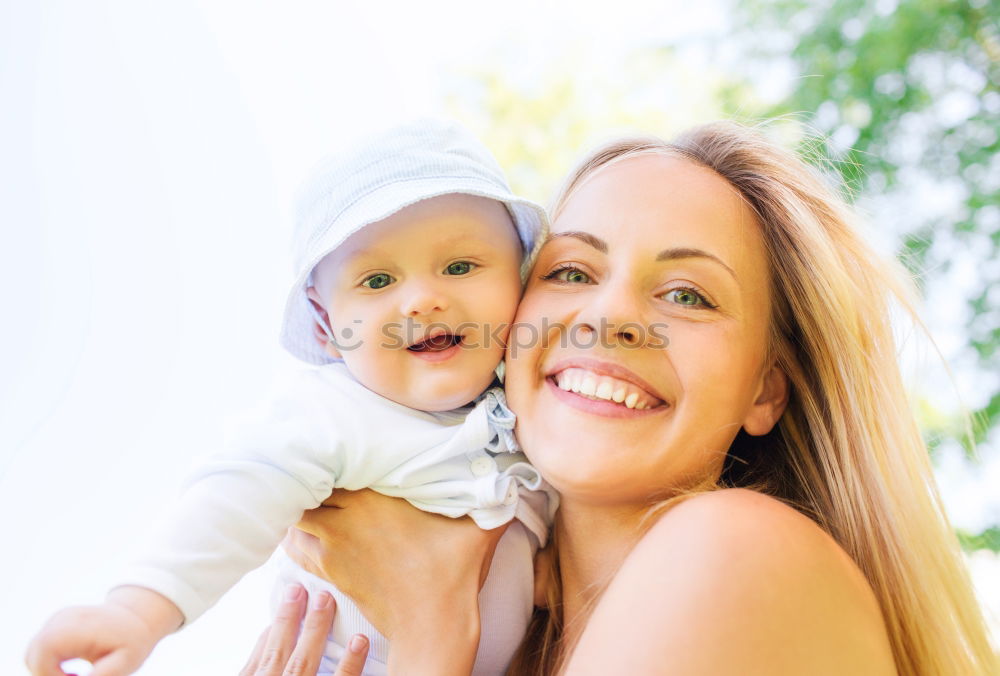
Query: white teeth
x=597 y=386
x=604 y=390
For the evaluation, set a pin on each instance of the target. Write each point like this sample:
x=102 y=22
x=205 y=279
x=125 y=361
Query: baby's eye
x=460 y=268
x=568 y=274
x=378 y=281
x=688 y=297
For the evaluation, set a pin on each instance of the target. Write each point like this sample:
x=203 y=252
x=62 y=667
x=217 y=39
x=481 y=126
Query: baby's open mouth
x=438 y=343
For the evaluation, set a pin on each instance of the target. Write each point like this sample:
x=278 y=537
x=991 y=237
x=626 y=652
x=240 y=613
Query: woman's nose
x=615 y=318
x=423 y=299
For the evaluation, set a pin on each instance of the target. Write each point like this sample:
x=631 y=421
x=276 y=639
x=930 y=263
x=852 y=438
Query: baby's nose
x=423 y=300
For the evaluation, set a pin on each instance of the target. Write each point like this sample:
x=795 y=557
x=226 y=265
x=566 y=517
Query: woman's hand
x=282 y=651
x=416 y=576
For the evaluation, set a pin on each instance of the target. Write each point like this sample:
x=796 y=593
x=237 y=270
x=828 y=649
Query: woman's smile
x=602 y=387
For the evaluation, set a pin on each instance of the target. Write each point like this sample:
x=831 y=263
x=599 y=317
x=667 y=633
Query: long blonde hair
x=847 y=451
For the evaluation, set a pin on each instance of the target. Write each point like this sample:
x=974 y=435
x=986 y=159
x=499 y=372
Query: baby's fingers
x=57 y=642
x=41 y=661
x=118 y=663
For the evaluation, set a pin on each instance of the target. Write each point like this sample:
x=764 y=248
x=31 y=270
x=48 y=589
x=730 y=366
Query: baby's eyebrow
x=460 y=239
x=363 y=256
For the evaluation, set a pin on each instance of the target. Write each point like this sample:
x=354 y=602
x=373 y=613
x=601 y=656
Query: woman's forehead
x=648 y=180
x=659 y=201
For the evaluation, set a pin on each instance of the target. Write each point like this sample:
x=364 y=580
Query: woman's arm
x=735 y=582
x=416 y=576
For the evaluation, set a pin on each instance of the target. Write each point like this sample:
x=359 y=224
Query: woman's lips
x=608 y=409
x=599 y=369
x=604 y=388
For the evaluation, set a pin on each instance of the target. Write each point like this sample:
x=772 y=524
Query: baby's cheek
x=507 y=305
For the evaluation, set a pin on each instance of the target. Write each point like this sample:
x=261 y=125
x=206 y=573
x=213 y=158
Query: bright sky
x=150 y=154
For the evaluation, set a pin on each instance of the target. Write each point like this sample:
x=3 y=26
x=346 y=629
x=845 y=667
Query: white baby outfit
x=327 y=431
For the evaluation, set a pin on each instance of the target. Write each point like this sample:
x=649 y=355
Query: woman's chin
x=581 y=464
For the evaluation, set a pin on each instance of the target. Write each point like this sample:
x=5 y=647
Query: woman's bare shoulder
x=738 y=582
x=722 y=521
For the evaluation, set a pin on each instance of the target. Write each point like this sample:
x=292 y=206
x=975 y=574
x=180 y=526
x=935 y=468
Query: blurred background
x=149 y=154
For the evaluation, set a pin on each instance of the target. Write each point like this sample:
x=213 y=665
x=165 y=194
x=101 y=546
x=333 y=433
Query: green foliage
x=988 y=539
x=904 y=86
x=908 y=94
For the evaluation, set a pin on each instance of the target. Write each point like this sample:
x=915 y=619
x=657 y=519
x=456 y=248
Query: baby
x=410 y=252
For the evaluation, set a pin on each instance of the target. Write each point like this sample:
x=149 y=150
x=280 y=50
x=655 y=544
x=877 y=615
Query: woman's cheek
x=717 y=395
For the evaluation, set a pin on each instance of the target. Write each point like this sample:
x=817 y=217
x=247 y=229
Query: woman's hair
x=847 y=450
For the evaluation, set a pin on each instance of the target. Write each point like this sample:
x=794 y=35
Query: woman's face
x=639 y=346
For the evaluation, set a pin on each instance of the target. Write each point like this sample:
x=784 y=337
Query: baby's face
x=421 y=303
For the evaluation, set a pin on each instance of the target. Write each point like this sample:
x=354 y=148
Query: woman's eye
x=378 y=281
x=688 y=297
x=569 y=275
x=460 y=268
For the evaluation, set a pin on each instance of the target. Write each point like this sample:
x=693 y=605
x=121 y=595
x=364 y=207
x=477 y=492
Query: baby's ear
x=318 y=331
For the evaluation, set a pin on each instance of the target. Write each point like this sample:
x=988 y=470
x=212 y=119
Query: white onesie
x=327 y=431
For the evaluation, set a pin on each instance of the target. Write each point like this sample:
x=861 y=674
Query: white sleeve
x=237 y=507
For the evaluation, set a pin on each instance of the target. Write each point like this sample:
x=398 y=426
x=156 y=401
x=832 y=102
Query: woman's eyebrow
x=585 y=237
x=673 y=253
x=686 y=252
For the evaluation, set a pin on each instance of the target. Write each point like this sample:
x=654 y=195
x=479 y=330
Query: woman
x=766 y=503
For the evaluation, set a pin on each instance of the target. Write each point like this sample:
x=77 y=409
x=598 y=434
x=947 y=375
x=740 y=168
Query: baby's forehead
x=438 y=220
x=443 y=224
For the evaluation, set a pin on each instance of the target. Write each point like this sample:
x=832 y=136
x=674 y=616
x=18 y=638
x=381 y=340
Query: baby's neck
x=593 y=541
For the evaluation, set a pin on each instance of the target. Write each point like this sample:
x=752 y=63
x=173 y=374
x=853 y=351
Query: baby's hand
x=116 y=637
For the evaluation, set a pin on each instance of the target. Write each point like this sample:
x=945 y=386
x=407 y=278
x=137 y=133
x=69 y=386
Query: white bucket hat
x=410 y=163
